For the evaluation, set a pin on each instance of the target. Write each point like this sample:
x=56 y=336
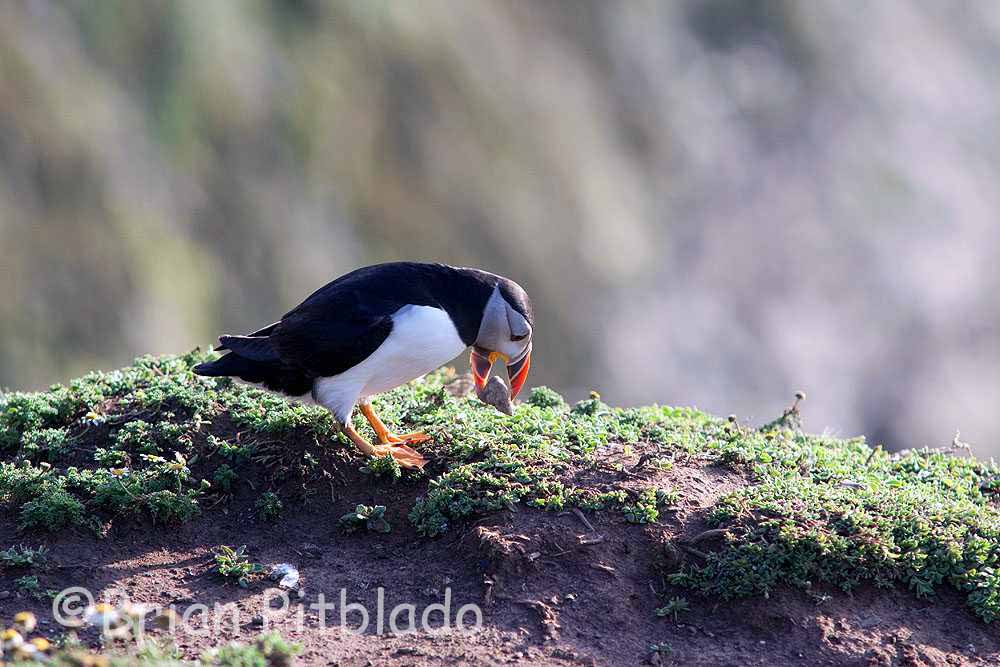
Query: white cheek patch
x=494 y=328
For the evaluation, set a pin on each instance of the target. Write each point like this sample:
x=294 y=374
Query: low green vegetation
x=674 y=608
x=269 y=650
x=269 y=506
x=20 y=556
x=824 y=511
x=235 y=565
x=29 y=585
x=367 y=518
x=149 y=441
x=533 y=457
x=384 y=467
x=155 y=442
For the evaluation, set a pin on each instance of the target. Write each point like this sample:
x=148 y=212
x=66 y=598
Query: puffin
x=379 y=327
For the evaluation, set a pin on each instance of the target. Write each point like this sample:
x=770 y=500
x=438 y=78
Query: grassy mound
x=155 y=442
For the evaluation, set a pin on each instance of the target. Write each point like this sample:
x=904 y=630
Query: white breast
x=422 y=339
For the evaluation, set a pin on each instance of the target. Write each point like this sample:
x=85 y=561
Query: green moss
x=496 y=461
x=645 y=509
x=53 y=508
x=118 y=443
x=170 y=507
x=236 y=453
x=46 y=444
x=270 y=414
x=837 y=512
x=136 y=436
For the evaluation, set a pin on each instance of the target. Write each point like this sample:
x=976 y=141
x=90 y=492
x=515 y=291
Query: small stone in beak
x=497 y=394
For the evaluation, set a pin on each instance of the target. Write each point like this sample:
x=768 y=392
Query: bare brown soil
x=553 y=590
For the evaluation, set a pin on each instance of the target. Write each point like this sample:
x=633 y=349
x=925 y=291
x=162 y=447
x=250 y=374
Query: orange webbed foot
x=405 y=456
x=414 y=438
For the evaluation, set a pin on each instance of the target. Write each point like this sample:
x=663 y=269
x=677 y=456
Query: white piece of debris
x=286 y=574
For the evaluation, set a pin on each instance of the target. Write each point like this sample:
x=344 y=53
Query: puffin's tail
x=253 y=359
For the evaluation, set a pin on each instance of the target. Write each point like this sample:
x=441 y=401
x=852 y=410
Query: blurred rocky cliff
x=712 y=202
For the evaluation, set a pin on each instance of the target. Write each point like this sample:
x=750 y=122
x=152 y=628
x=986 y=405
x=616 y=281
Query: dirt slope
x=553 y=590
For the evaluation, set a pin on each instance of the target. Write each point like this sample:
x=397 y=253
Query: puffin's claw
x=406 y=457
x=414 y=438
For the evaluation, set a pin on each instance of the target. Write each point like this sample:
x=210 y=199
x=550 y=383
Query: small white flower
x=179 y=462
x=25 y=621
x=11 y=639
x=41 y=643
x=110 y=621
x=101 y=614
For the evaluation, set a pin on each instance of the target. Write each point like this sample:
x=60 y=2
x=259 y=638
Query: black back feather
x=257 y=348
x=274 y=375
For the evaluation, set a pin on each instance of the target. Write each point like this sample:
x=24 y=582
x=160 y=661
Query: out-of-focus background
x=712 y=202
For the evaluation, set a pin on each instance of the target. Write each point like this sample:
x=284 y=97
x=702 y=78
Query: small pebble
x=497 y=394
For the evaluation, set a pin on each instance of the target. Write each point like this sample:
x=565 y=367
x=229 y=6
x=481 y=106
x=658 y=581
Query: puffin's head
x=504 y=333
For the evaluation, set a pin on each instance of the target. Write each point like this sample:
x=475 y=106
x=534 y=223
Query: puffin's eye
x=515 y=338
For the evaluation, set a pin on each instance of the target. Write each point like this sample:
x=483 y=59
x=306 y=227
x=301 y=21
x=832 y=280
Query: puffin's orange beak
x=482 y=363
x=518 y=373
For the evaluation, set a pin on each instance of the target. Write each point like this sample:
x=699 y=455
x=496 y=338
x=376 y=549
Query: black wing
x=323 y=339
x=341 y=324
x=260 y=333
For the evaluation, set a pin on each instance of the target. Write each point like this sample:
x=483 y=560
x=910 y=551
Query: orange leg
x=385 y=436
x=405 y=456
